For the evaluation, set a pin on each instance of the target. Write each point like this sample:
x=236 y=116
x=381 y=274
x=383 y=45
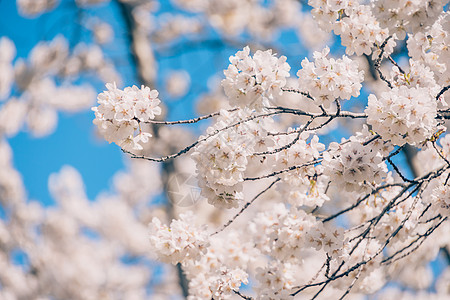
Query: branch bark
x=139 y=58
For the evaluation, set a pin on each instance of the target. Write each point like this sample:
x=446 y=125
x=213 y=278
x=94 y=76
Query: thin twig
x=245 y=207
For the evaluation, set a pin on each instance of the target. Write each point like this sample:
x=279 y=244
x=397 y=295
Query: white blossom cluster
x=301 y=186
x=33 y=8
x=53 y=58
x=221 y=269
x=285 y=234
x=299 y=189
x=377 y=145
x=373 y=205
x=229 y=281
x=219 y=285
x=103 y=32
x=90 y=58
x=178 y=83
x=403 y=115
x=11 y=185
x=7 y=53
x=406 y=214
x=276 y=281
x=120 y=115
x=371 y=277
x=172 y=27
x=418 y=75
x=282 y=235
x=37 y=95
x=437 y=192
x=254 y=81
x=180 y=242
x=407 y=16
x=327 y=79
x=353 y=166
x=354 y=22
x=81 y=243
x=432 y=48
x=258 y=18
x=222 y=159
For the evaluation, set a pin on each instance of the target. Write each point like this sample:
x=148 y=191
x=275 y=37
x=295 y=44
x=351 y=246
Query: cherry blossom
x=254 y=81
x=179 y=242
x=120 y=112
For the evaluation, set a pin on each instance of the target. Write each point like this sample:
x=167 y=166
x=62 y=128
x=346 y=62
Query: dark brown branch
x=378 y=61
x=442 y=92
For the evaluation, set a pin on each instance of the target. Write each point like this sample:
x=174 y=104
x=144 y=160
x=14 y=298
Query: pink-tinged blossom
x=253 y=82
x=120 y=112
x=180 y=241
x=327 y=79
x=403 y=115
x=222 y=159
x=360 y=31
x=353 y=166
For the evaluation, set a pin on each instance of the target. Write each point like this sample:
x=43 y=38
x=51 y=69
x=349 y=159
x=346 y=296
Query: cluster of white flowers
x=300 y=186
x=229 y=281
x=314 y=37
x=353 y=166
x=120 y=114
x=180 y=242
x=219 y=285
x=11 y=185
x=221 y=269
x=222 y=159
x=253 y=81
x=276 y=281
x=432 y=49
x=376 y=144
x=402 y=16
x=405 y=216
x=287 y=229
x=418 y=75
x=403 y=115
x=370 y=277
x=7 y=53
x=88 y=58
x=227 y=250
x=437 y=192
x=178 y=83
x=327 y=79
x=40 y=97
x=285 y=234
x=53 y=58
x=374 y=204
x=260 y=19
x=103 y=32
x=82 y=243
x=33 y=8
x=354 y=22
x=292 y=233
x=300 y=190
x=175 y=26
